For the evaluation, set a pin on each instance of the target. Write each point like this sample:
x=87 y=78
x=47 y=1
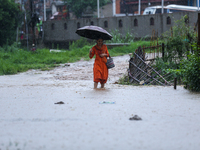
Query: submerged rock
x=136 y=117
x=59 y=102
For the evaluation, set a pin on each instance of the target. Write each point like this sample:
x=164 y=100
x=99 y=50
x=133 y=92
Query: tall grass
x=119 y=38
x=14 y=60
x=117 y=51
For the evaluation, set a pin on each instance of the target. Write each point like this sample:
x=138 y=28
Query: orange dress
x=100 y=70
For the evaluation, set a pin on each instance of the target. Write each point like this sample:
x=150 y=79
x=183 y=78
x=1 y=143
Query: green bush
x=9 y=20
x=117 y=51
x=78 y=43
x=180 y=59
x=191 y=72
x=119 y=38
x=179 y=40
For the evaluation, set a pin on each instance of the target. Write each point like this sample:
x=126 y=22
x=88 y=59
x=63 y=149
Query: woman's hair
x=99 y=38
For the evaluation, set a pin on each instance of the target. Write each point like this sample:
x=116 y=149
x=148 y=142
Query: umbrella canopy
x=94 y=32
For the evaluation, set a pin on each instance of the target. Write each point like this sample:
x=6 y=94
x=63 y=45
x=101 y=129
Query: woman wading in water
x=100 y=70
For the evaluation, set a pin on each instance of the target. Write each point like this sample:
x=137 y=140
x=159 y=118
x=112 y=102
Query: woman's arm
x=105 y=54
x=91 y=53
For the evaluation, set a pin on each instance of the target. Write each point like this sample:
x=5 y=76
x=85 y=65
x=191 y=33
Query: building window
x=135 y=22
x=52 y=26
x=78 y=25
x=151 y=21
x=65 y=26
x=91 y=23
x=168 y=20
x=105 y=24
x=120 y=23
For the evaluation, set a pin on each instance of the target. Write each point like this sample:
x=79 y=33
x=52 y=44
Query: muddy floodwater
x=30 y=119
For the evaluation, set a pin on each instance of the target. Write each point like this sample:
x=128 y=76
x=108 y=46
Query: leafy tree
x=182 y=43
x=179 y=39
x=9 y=12
x=190 y=69
x=79 y=6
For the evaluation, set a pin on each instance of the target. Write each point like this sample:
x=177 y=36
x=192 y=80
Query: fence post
x=175 y=82
x=143 y=51
x=163 y=51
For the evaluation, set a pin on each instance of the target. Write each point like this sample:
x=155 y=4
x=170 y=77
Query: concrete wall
x=61 y=35
x=105 y=11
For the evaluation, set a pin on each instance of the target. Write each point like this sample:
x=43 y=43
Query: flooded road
x=30 y=119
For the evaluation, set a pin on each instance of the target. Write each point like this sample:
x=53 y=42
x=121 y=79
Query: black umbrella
x=94 y=32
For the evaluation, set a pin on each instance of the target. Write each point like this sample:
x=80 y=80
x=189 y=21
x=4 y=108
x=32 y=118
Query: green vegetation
x=10 y=17
x=119 y=38
x=190 y=70
x=14 y=59
x=118 y=51
x=183 y=57
x=179 y=40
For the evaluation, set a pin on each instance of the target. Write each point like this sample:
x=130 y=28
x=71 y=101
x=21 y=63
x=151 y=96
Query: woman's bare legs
x=95 y=85
x=102 y=85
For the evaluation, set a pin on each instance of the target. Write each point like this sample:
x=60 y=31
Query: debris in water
x=59 y=102
x=104 y=102
x=136 y=117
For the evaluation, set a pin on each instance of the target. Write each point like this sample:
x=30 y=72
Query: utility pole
x=32 y=21
x=44 y=10
x=98 y=8
x=26 y=30
x=114 y=7
x=162 y=6
x=139 y=6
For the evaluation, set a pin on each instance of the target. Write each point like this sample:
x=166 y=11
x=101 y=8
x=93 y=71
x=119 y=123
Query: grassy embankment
x=14 y=60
